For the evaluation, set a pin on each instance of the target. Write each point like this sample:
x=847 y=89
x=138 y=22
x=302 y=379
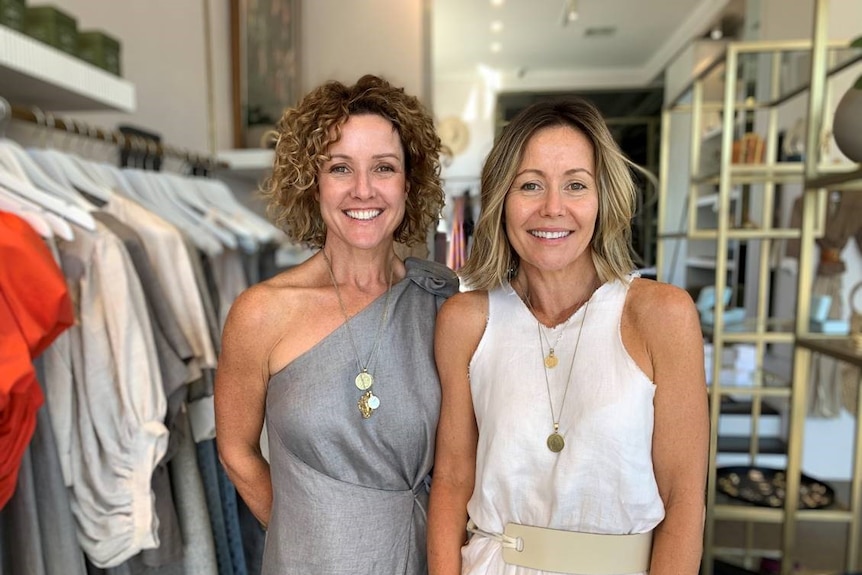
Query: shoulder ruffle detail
x=431 y=276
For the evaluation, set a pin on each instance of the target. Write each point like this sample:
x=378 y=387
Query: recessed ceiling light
x=496 y=47
x=497 y=2
x=600 y=31
x=496 y=26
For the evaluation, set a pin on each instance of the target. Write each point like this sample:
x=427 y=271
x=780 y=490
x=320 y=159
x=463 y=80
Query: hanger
x=48 y=202
x=155 y=199
x=189 y=193
x=12 y=154
x=218 y=193
x=164 y=189
x=68 y=173
x=32 y=215
x=43 y=222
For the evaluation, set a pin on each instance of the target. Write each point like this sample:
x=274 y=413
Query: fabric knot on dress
x=431 y=276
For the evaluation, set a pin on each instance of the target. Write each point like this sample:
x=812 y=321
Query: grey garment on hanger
x=38 y=529
x=20 y=526
x=199 y=553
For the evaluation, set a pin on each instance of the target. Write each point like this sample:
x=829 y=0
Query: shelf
x=839 y=55
x=733 y=407
x=711 y=200
x=839 y=347
x=836 y=178
x=707 y=263
x=742 y=444
x=728 y=509
x=35 y=74
x=251 y=164
x=743 y=234
x=753 y=391
x=783 y=172
x=777 y=72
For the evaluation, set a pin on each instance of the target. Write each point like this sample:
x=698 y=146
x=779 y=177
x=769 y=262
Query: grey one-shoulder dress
x=350 y=494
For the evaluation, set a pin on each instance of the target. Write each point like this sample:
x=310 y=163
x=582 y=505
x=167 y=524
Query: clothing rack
x=129 y=143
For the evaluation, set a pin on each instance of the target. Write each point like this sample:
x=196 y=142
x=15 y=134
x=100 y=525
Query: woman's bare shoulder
x=657 y=305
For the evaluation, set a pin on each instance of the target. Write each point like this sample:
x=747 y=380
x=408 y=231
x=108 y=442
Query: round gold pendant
x=551 y=361
x=364 y=380
x=555 y=442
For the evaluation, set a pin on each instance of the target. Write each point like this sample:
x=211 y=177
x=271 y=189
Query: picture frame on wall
x=265 y=66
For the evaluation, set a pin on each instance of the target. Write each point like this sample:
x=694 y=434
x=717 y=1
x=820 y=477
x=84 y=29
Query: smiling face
x=363 y=186
x=552 y=206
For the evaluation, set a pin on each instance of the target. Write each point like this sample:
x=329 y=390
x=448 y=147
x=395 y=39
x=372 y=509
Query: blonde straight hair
x=492 y=261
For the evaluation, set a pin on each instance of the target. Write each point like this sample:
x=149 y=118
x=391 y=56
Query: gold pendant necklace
x=555 y=441
x=551 y=360
x=368 y=402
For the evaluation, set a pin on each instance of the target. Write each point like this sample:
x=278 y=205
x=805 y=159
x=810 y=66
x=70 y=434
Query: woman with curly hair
x=336 y=354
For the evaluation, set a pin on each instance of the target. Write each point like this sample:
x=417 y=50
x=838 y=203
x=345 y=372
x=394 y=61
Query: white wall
x=343 y=40
x=163 y=56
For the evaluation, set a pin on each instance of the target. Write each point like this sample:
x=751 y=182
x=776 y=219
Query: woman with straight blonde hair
x=573 y=425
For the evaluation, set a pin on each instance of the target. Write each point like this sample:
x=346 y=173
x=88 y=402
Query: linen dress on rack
x=350 y=494
x=603 y=480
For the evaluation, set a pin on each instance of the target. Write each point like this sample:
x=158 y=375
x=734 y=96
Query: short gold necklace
x=368 y=402
x=551 y=360
x=555 y=441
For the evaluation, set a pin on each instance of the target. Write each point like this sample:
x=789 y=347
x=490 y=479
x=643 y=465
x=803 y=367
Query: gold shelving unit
x=740 y=201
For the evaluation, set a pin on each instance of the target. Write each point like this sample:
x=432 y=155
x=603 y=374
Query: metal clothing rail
x=133 y=144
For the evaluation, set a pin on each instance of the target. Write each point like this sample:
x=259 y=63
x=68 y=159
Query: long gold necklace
x=368 y=402
x=555 y=441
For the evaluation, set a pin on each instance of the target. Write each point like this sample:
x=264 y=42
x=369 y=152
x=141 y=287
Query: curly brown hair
x=305 y=134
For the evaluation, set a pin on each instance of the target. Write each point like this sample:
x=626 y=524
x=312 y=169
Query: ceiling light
x=600 y=31
x=496 y=26
x=716 y=33
x=497 y=3
x=570 y=11
x=496 y=47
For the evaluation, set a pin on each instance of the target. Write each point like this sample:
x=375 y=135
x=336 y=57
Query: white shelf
x=252 y=164
x=706 y=262
x=35 y=74
x=711 y=200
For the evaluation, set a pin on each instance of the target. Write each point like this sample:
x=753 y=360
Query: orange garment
x=34 y=309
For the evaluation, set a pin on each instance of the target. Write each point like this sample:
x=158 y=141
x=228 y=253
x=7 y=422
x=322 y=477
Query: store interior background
x=439 y=49
x=164 y=56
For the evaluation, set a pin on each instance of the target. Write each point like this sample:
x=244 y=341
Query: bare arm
x=460 y=325
x=240 y=395
x=671 y=331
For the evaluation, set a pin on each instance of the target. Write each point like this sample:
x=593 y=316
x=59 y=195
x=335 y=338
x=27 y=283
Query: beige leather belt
x=572 y=552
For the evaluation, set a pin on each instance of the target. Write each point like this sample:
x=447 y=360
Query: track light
x=570 y=11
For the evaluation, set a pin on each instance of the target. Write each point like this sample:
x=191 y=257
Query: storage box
x=53 y=27
x=100 y=50
x=12 y=14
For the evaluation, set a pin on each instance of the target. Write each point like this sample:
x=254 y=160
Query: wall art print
x=265 y=65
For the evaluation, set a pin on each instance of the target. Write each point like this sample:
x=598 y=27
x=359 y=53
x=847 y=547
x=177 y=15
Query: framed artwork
x=265 y=66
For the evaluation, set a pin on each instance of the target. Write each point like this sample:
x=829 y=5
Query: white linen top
x=603 y=480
